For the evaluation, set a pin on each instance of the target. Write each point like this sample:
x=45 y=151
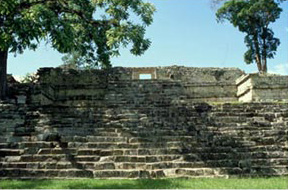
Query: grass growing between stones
x=254 y=183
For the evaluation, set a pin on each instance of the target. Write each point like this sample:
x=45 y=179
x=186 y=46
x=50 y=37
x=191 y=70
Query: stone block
x=263 y=88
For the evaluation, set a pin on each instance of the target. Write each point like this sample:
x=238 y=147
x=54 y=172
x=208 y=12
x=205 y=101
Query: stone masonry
x=110 y=124
x=255 y=87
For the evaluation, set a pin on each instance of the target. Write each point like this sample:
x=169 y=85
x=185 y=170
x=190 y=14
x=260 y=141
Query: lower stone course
x=176 y=139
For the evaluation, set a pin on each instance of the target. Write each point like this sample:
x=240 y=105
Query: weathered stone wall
x=208 y=84
x=60 y=85
x=12 y=122
x=198 y=84
x=180 y=73
x=199 y=74
x=255 y=87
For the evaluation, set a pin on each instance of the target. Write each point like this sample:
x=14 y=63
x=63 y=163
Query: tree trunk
x=257 y=49
x=264 y=65
x=3 y=74
x=264 y=59
x=264 y=51
x=258 y=61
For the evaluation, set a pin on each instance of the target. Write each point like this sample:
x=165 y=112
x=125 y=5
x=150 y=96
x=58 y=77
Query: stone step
x=159 y=165
x=138 y=113
x=269 y=170
x=96 y=158
x=107 y=157
x=121 y=112
x=4 y=145
x=250 y=155
x=101 y=145
x=233 y=171
x=230 y=119
x=233 y=113
x=152 y=150
x=33 y=147
x=111 y=152
x=132 y=174
x=73 y=132
x=11 y=152
x=37 y=144
x=235 y=128
x=103 y=174
x=127 y=139
x=248 y=164
x=44 y=173
x=15 y=139
x=268 y=162
x=106 y=145
x=240 y=149
x=93 y=139
x=206 y=171
x=248 y=112
x=120 y=133
x=101 y=165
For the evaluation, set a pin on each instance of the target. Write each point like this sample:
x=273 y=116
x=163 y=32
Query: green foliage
x=202 y=183
x=253 y=18
x=30 y=78
x=75 y=60
x=218 y=2
x=93 y=28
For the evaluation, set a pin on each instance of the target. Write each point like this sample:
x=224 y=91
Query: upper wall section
x=185 y=83
x=200 y=75
x=195 y=84
x=179 y=73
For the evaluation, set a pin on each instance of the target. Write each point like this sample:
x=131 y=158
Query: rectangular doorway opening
x=145 y=76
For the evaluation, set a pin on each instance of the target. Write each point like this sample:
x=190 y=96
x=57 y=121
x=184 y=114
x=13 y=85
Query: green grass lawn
x=254 y=183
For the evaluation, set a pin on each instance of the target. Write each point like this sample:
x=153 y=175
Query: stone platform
x=111 y=125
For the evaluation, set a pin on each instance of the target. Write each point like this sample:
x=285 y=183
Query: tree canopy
x=95 y=29
x=217 y=2
x=253 y=17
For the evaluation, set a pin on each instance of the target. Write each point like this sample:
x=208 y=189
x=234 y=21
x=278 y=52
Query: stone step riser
x=100 y=145
x=120 y=134
x=128 y=139
x=97 y=158
x=131 y=146
x=259 y=152
x=112 y=152
x=132 y=158
x=254 y=165
x=101 y=166
x=11 y=152
x=135 y=174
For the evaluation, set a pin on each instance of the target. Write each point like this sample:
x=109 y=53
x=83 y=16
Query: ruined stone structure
x=254 y=87
x=195 y=84
x=110 y=124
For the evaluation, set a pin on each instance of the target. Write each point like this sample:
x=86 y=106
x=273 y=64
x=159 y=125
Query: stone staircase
x=142 y=129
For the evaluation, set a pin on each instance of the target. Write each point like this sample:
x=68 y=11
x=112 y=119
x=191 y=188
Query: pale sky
x=184 y=33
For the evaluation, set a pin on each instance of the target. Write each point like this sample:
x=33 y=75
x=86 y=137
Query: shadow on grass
x=124 y=184
x=233 y=183
x=89 y=184
x=25 y=184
